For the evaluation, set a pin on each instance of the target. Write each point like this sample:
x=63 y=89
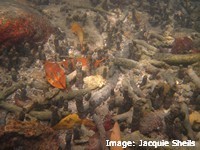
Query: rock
x=20 y=23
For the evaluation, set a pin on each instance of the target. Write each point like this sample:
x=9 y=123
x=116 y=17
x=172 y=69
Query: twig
x=101 y=130
x=186 y=122
x=79 y=106
x=6 y=92
x=71 y=94
x=40 y=115
x=194 y=77
x=184 y=59
x=158 y=64
x=145 y=44
x=125 y=116
x=103 y=94
x=71 y=76
x=153 y=34
x=149 y=67
x=96 y=9
x=126 y=63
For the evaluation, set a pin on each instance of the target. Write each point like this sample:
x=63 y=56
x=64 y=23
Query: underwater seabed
x=99 y=74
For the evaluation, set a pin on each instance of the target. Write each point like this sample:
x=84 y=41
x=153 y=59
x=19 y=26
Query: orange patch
x=55 y=75
x=77 y=29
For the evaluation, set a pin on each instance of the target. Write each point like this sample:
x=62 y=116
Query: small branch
x=101 y=130
x=125 y=116
x=71 y=76
x=159 y=64
x=126 y=63
x=184 y=59
x=71 y=94
x=10 y=107
x=146 y=45
x=194 y=77
x=186 y=122
x=40 y=115
x=149 y=68
x=153 y=34
x=79 y=106
x=96 y=9
x=103 y=94
x=6 y=92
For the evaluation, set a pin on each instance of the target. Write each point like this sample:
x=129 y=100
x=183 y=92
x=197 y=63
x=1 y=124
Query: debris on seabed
x=76 y=74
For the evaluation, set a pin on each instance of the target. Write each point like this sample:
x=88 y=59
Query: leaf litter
x=105 y=62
